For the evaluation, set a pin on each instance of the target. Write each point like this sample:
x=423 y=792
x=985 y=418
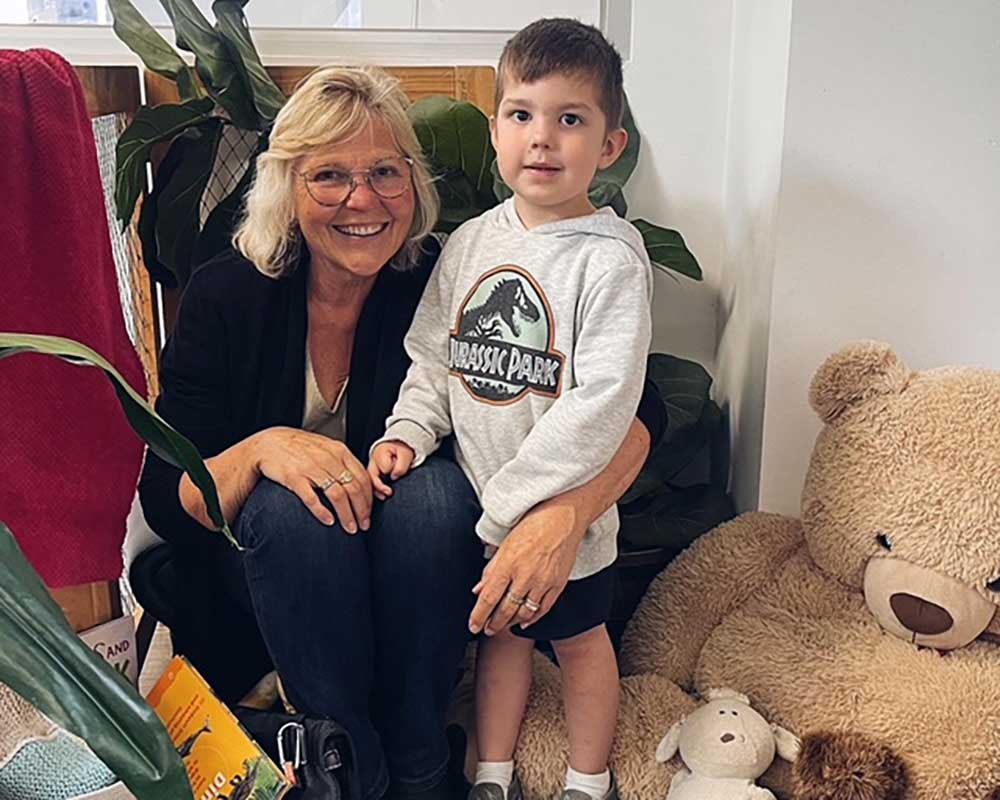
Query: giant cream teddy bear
x=867 y=627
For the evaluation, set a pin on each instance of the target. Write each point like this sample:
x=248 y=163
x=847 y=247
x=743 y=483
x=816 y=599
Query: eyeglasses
x=331 y=186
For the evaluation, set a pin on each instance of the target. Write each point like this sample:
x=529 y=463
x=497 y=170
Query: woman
x=284 y=363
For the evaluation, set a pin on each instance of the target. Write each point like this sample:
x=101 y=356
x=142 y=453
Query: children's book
x=222 y=761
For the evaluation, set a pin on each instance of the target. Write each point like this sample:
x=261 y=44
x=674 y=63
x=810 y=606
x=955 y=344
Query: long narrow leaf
x=213 y=62
x=48 y=665
x=156 y=53
x=162 y=439
x=150 y=126
x=232 y=25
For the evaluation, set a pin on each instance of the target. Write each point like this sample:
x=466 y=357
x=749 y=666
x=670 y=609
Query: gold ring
x=345 y=477
x=513 y=598
x=531 y=605
x=326 y=484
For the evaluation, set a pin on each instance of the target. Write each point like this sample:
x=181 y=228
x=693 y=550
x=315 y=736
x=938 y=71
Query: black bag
x=320 y=749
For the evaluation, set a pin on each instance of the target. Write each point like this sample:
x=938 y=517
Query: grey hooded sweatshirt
x=530 y=345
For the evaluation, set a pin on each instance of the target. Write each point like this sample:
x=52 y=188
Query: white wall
x=758 y=77
x=889 y=218
x=677 y=80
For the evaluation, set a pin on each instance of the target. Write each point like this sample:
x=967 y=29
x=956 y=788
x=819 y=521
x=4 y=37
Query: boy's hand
x=392 y=459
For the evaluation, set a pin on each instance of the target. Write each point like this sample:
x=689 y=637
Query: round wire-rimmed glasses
x=331 y=185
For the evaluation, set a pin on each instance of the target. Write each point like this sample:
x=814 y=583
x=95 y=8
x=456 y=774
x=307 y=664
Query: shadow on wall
x=847 y=266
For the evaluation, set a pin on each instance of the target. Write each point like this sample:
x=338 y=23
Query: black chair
x=153 y=579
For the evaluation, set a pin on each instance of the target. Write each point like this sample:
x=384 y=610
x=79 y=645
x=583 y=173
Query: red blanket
x=69 y=459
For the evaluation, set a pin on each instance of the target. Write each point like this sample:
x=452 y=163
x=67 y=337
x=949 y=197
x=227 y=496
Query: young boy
x=530 y=345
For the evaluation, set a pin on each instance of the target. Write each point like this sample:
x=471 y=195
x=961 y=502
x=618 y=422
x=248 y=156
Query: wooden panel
x=474 y=84
x=109 y=90
x=89 y=604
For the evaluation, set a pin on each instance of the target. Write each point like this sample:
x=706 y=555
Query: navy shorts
x=583 y=604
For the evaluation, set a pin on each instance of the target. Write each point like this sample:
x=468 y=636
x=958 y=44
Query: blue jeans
x=370 y=629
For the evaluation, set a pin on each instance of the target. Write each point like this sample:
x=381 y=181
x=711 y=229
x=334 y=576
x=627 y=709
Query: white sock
x=595 y=785
x=498 y=772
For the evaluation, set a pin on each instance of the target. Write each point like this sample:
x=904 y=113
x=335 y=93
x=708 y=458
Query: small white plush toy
x=725 y=746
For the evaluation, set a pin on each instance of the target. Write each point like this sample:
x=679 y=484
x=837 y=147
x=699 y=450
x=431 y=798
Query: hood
x=603 y=222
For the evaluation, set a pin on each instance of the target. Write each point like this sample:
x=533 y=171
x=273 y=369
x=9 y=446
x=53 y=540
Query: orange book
x=222 y=761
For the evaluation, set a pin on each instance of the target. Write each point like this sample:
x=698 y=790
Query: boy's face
x=551 y=137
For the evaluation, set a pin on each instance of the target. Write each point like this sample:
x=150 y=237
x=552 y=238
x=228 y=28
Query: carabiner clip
x=289 y=766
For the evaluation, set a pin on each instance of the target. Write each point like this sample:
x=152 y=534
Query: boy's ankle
x=596 y=786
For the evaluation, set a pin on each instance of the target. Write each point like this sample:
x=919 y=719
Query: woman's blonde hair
x=329 y=107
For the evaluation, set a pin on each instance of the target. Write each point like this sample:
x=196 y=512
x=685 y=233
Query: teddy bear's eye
x=993 y=585
x=884 y=541
x=722 y=712
x=734 y=713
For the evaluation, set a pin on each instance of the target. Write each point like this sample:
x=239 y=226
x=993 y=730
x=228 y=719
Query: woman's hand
x=304 y=462
x=533 y=564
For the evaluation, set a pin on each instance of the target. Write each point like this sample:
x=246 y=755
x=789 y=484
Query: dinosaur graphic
x=185 y=748
x=243 y=785
x=506 y=303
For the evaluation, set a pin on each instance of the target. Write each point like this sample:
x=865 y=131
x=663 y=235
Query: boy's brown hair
x=567 y=47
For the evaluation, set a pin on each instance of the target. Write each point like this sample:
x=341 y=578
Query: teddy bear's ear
x=854 y=374
x=786 y=743
x=723 y=693
x=670 y=743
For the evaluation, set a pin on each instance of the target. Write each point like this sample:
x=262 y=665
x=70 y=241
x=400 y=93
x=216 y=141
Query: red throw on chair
x=68 y=460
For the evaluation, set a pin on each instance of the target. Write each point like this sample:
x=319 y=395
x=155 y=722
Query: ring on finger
x=326 y=484
x=514 y=599
x=345 y=477
x=531 y=605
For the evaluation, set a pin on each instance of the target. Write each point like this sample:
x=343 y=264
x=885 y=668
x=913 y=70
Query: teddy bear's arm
x=760 y=793
x=696 y=591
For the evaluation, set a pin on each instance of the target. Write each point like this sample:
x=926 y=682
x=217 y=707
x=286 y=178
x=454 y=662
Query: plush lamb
x=725 y=746
x=867 y=626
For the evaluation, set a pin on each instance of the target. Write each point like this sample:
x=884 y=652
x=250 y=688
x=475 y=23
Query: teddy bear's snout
x=726 y=738
x=919 y=615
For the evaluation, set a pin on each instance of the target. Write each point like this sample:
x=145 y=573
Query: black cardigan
x=235 y=365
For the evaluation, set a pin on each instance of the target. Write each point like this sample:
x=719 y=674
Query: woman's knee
x=273 y=511
x=435 y=496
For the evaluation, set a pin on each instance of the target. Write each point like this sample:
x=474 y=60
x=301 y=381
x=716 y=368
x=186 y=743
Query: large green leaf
x=684 y=388
x=213 y=62
x=673 y=518
x=156 y=53
x=232 y=25
x=179 y=194
x=608 y=183
x=50 y=667
x=455 y=137
x=162 y=439
x=151 y=125
x=667 y=250
x=149 y=215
